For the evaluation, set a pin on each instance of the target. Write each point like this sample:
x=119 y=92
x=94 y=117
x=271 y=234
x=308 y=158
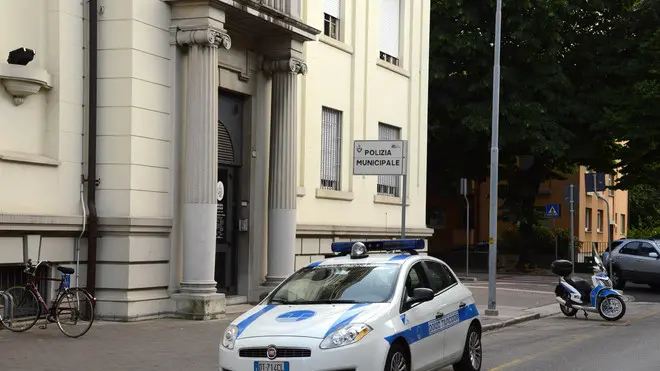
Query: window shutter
x=388 y=184
x=331 y=149
x=332 y=7
x=390 y=26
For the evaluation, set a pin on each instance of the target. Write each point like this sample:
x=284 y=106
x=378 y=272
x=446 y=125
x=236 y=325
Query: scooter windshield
x=597 y=260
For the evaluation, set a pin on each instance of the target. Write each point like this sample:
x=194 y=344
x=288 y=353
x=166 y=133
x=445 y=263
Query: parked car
x=615 y=244
x=636 y=261
x=360 y=311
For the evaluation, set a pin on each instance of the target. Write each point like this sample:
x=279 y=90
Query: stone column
x=282 y=168
x=198 y=298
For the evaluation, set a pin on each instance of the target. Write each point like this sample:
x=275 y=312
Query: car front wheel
x=397 y=359
x=472 y=353
x=617 y=281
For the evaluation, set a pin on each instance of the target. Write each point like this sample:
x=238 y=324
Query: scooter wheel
x=611 y=308
x=568 y=312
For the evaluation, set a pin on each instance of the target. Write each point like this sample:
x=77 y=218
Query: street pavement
x=176 y=345
x=578 y=344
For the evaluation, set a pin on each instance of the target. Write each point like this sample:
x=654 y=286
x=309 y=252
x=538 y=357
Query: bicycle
x=29 y=306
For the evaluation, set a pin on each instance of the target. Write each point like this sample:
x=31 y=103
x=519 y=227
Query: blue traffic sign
x=552 y=211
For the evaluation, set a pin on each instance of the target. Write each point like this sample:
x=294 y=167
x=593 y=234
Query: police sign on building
x=379 y=157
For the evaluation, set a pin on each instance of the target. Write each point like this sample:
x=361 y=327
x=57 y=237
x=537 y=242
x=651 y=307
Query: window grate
x=331 y=149
x=388 y=184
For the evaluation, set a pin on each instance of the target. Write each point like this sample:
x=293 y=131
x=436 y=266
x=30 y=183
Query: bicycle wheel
x=26 y=310
x=74 y=312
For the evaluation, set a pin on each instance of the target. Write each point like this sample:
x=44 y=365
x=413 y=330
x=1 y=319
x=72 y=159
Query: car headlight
x=229 y=338
x=346 y=335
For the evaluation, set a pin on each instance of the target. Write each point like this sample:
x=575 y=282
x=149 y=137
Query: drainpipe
x=92 y=227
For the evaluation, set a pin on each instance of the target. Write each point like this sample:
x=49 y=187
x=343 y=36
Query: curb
x=514 y=321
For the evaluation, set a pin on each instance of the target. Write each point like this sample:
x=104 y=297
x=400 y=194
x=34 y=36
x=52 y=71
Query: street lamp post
x=494 y=165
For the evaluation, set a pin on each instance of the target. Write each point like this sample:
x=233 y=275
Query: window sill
x=27 y=158
x=336 y=44
x=393 y=68
x=389 y=200
x=330 y=194
x=301 y=192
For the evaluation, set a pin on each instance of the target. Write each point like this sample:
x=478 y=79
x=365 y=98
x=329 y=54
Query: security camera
x=21 y=56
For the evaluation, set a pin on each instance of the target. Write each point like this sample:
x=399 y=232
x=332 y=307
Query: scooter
x=575 y=294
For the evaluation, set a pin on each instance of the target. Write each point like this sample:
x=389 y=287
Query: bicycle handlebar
x=31 y=269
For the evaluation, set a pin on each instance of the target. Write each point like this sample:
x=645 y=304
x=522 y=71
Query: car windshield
x=335 y=284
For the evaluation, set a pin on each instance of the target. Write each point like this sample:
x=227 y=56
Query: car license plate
x=271 y=366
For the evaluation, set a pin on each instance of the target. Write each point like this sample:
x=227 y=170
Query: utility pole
x=494 y=167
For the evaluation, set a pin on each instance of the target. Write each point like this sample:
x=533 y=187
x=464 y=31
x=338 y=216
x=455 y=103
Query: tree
x=630 y=93
x=546 y=114
x=643 y=207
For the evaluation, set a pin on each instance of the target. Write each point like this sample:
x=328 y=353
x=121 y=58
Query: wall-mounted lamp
x=21 y=81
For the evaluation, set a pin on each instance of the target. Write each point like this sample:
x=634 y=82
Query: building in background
x=223 y=141
x=447 y=215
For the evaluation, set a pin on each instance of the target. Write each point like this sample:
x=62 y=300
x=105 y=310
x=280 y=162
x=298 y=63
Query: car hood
x=315 y=321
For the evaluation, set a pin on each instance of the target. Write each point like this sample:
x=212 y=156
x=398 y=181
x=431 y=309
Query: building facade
x=590 y=213
x=219 y=135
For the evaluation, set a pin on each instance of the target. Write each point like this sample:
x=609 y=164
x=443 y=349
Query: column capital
x=288 y=65
x=204 y=35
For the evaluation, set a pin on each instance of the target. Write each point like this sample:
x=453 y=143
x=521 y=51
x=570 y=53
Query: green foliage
x=650 y=232
x=644 y=207
x=630 y=92
x=542 y=241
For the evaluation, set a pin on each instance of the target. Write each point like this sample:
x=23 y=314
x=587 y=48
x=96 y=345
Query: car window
x=415 y=279
x=629 y=248
x=646 y=248
x=439 y=276
x=364 y=283
x=615 y=244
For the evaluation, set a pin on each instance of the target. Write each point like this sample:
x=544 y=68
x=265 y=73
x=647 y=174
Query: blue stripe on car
x=248 y=321
x=399 y=257
x=315 y=264
x=435 y=326
x=347 y=317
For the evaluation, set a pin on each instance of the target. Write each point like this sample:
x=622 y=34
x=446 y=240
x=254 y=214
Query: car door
x=447 y=302
x=424 y=345
x=648 y=267
x=626 y=259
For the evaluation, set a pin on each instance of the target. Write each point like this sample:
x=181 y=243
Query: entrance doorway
x=230 y=149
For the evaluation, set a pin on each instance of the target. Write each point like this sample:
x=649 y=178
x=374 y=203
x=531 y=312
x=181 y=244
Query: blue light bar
x=382 y=245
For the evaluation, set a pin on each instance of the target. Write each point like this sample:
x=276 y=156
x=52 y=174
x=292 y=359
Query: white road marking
x=514 y=290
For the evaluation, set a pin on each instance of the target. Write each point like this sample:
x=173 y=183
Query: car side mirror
x=420 y=295
x=263 y=296
x=653 y=255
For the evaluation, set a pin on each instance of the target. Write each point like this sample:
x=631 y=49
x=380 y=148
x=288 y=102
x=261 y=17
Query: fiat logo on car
x=271 y=352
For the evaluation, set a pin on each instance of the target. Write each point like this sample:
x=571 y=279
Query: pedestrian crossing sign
x=552 y=211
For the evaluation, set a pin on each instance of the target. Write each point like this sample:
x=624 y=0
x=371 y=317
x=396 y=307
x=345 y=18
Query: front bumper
x=366 y=355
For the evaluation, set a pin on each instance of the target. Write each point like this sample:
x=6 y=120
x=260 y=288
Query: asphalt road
x=505 y=284
x=561 y=343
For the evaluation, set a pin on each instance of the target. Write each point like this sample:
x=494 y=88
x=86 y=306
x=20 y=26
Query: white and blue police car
x=356 y=311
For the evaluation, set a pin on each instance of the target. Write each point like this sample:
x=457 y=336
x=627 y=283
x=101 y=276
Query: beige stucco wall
x=348 y=75
x=137 y=139
x=43 y=135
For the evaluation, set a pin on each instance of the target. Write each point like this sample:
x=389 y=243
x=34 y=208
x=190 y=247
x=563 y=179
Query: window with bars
x=390 y=30
x=332 y=11
x=331 y=149
x=388 y=184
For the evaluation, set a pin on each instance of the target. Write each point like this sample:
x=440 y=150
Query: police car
x=358 y=311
